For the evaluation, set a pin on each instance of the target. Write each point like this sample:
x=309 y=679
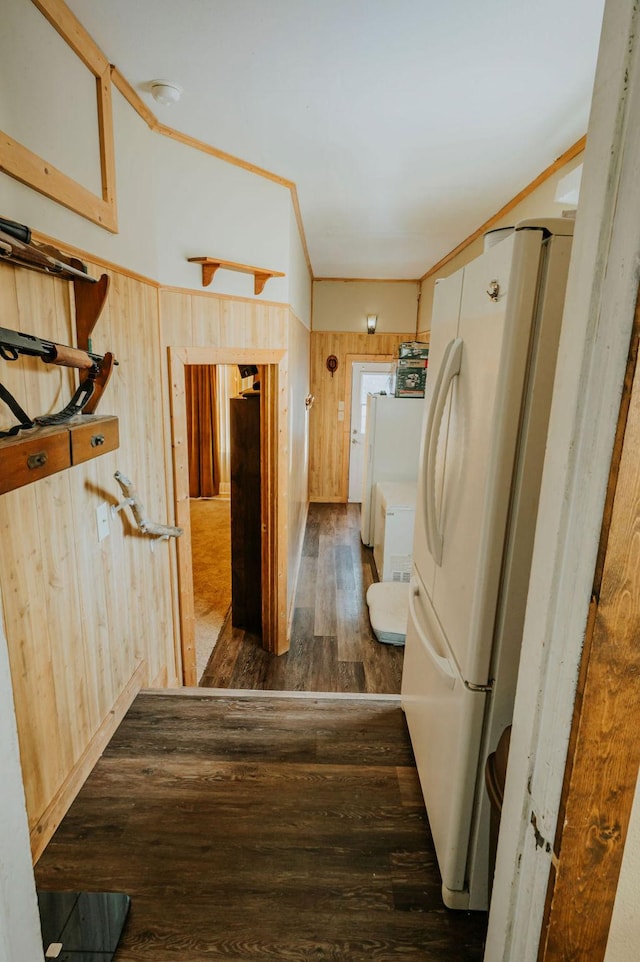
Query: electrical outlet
x=102 y=520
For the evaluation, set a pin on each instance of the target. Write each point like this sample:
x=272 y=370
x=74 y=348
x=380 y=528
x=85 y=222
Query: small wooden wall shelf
x=43 y=451
x=211 y=264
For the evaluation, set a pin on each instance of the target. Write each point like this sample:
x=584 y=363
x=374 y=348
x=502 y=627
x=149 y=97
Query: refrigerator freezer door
x=445 y=724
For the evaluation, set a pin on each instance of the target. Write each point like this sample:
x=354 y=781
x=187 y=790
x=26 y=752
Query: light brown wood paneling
x=236 y=330
x=87 y=622
x=326 y=432
x=274 y=486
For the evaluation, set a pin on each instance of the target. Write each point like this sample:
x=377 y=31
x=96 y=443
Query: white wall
x=20 y=939
x=344 y=305
x=134 y=246
x=299 y=275
x=25 y=37
x=207 y=207
x=624 y=935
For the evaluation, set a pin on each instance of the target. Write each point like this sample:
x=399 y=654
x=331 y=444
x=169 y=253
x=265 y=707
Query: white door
x=370 y=377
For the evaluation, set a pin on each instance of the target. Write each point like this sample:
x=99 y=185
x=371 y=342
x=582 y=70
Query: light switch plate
x=102 y=520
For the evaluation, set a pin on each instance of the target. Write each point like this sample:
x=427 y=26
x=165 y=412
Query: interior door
x=367 y=377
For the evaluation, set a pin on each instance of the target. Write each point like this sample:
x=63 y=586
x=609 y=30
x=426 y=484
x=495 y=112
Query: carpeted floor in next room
x=211 y=561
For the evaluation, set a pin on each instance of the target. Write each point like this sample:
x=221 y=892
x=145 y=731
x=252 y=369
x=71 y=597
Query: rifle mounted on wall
x=18 y=248
x=97 y=368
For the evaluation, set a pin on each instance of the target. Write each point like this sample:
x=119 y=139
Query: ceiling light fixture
x=372 y=320
x=166 y=92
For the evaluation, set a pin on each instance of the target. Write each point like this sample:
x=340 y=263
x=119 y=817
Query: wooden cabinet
x=246 y=521
x=43 y=451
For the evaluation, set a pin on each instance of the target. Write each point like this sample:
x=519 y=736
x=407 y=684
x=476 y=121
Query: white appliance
x=392 y=444
x=492 y=359
x=393 y=529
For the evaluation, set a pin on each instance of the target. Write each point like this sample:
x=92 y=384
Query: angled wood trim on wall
x=548 y=172
x=135 y=101
x=36 y=172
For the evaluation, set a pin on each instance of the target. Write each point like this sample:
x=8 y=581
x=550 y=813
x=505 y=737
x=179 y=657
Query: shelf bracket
x=211 y=264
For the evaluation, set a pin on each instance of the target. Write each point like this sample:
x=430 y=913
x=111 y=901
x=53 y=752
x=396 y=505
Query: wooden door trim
x=274 y=574
x=604 y=752
x=350 y=360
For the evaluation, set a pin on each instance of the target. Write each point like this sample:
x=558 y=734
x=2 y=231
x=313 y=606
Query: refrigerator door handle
x=449 y=369
x=443 y=664
x=426 y=447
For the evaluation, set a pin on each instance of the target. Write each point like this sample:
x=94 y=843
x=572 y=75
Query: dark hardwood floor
x=332 y=646
x=254 y=827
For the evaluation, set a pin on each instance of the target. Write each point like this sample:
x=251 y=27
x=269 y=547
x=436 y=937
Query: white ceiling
x=404 y=123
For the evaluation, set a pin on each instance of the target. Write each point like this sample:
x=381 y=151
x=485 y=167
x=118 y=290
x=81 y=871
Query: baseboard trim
x=42 y=832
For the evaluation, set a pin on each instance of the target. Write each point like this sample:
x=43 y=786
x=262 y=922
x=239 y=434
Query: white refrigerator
x=391 y=448
x=492 y=360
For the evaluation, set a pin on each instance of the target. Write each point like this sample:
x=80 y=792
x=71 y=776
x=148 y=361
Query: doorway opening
x=365 y=374
x=217 y=463
x=272 y=586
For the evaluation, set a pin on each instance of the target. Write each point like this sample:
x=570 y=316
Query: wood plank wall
x=87 y=623
x=192 y=319
x=326 y=453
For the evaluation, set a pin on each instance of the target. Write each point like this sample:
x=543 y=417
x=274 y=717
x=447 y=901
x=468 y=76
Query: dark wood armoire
x=246 y=521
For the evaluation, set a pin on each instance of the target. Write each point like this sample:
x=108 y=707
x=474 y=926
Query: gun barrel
x=13 y=343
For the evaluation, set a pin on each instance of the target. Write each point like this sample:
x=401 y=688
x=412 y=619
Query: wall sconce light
x=166 y=92
x=372 y=320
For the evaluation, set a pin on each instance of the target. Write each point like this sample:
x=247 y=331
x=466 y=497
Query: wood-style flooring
x=257 y=827
x=332 y=646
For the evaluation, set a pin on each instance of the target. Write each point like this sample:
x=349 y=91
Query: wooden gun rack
x=18 y=463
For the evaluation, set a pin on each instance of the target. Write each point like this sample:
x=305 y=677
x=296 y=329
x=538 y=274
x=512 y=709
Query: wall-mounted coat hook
x=159 y=532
